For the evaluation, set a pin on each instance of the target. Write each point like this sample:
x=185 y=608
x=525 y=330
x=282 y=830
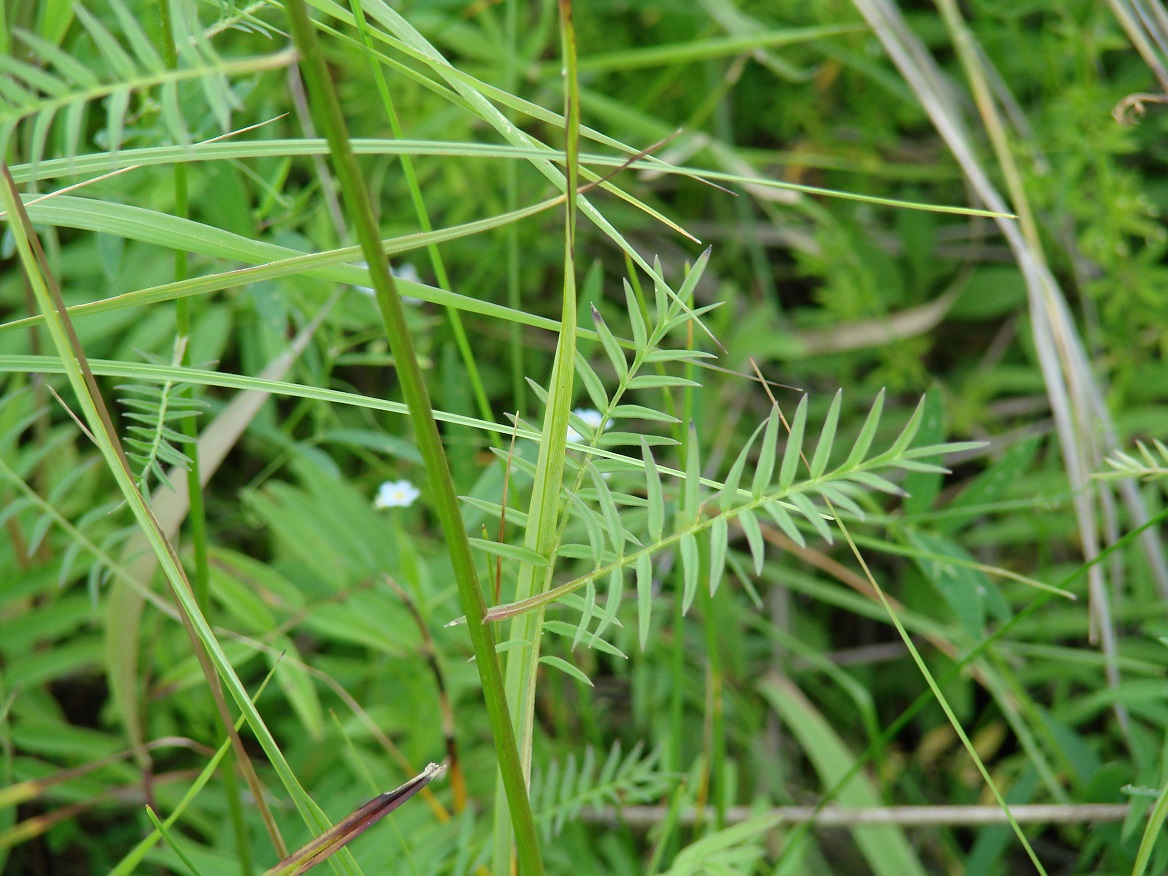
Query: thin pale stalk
x=197 y=514
x=445 y=499
x=543 y=515
x=440 y=276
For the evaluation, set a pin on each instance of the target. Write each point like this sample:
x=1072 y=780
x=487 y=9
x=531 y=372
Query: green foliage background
x=749 y=665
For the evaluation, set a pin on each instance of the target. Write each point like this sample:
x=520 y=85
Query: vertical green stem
x=715 y=723
x=330 y=119
x=197 y=514
x=543 y=514
x=511 y=193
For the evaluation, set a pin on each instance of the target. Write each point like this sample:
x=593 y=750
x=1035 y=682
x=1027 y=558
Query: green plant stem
x=543 y=514
x=197 y=514
x=511 y=194
x=715 y=717
x=445 y=500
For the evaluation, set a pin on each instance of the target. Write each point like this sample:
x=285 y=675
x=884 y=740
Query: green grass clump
x=714 y=438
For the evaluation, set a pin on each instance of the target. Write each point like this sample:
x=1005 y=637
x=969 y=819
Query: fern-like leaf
x=563 y=789
x=59 y=91
x=152 y=440
x=1148 y=463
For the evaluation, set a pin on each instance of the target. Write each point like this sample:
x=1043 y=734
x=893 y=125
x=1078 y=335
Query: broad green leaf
x=885 y=848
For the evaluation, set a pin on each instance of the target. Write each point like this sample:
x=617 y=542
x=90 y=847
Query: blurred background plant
x=846 y=144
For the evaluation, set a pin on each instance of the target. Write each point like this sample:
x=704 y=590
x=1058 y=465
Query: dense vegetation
x=794 y=463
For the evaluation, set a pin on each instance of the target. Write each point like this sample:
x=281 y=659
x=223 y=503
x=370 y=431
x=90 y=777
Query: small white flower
x=396 y=494
x=591 y=417
x=405 y=272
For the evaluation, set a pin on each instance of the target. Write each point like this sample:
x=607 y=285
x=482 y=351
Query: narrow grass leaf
x=885 y=848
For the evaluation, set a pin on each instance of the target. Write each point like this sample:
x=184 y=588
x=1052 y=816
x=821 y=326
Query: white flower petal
x=396 y=494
